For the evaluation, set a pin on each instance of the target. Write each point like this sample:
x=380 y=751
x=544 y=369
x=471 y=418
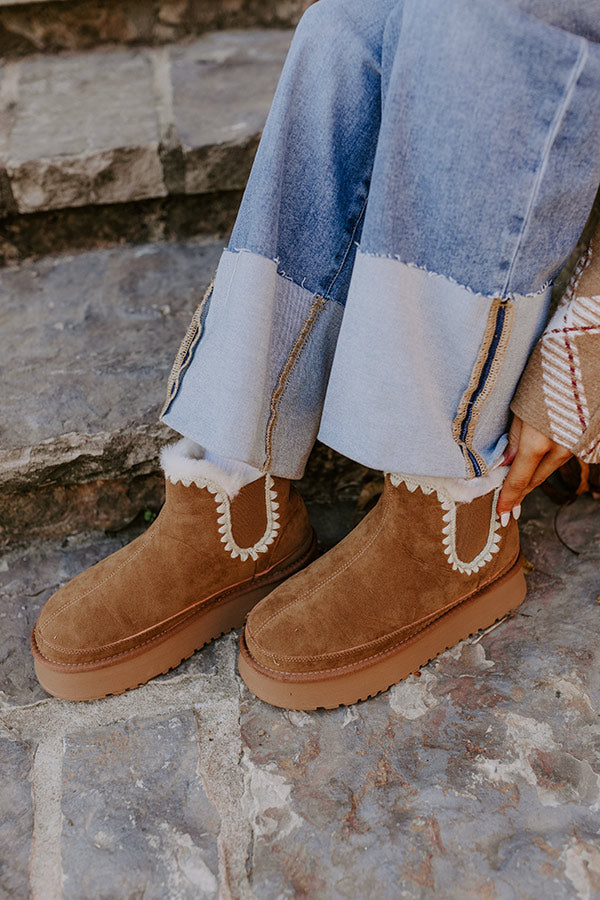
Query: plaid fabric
x=559 y=391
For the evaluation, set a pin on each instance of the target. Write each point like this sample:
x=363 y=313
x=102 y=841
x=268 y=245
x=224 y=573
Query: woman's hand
x=532 y=458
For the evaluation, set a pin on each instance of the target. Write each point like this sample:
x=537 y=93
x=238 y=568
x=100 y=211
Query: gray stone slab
x=115 y=126
x=88 y=342
x=222 y=90
x=480 y=778
x=136 y=818
x=16 y=818
x=86 y=131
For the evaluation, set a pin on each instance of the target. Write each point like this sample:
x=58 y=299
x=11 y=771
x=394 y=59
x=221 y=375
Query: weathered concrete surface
x=143 y=825
x=480 y=778
x=16 y=817
x=88 y=344
x=28 y=26
x=188 y=121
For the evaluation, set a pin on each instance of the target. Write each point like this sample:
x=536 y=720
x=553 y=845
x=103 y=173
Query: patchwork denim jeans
x=425 y=170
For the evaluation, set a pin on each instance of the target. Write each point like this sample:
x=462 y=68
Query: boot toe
x=75 y=624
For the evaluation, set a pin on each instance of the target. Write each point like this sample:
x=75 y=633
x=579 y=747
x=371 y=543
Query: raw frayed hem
x=498 y=295
x=277 y=261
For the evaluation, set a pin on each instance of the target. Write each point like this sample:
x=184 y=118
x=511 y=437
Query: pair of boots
x=419 y=573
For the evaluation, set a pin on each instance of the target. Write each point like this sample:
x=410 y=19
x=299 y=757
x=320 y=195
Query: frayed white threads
x=182 y=462
x=413 y=265
x=448 y=504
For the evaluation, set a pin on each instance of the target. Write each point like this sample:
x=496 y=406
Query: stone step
x=30 y=26
x=88 y=342
x=116 y=126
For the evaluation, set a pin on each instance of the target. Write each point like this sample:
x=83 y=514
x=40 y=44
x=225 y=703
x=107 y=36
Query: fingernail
x=505 y=519
x=516 y=512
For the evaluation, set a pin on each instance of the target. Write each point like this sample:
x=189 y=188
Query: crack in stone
x=45 y=864
x=219 y=754
x=60 y=717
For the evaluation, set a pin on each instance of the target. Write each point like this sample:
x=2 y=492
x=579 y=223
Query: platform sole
x=91 y=681
x=359 y=681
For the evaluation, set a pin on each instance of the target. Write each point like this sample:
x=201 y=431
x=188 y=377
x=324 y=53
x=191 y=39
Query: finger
x=514 y=436
x=518 y=479
x=549 y=464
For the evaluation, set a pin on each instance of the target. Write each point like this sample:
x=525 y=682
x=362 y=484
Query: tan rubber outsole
x=91 y=681
x=314 y=690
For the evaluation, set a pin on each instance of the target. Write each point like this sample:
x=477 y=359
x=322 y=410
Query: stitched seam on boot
x=482 y=381
x=333 y=574
x=317 y=306
x=91 y=590
x=448 y=504
x=204 y=604
x=422 y=627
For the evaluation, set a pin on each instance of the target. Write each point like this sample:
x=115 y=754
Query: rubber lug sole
x=91 y=681
x=313 y=690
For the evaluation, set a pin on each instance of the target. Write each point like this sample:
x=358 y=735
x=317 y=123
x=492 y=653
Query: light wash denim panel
x=425 y=170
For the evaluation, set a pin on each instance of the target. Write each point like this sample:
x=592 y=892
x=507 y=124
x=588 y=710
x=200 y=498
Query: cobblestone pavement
x=477 y=779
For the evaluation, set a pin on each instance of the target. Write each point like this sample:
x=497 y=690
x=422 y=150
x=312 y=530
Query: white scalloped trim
x=224 y=510
x=448 y=504
x=182 y=462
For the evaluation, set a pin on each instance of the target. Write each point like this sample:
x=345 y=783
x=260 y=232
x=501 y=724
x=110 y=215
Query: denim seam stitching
x=316 y=308
x=481 y=383
x=550 y=138
x=186 y=349
x=349 y=247
x=479 y=294
x=281 y=273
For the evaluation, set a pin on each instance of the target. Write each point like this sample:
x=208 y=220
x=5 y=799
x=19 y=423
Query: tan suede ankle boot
x=214 y=550
x=419 y=573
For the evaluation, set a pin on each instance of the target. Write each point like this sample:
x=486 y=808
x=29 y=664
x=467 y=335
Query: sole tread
x=356 y=682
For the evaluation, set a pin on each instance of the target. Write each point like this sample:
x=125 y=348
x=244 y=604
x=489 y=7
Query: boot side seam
x=422 y=623
x=333 y=575
x=204 y=604
x=126 y=562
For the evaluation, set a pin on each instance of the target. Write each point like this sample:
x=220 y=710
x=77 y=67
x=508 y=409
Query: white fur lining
x=463 y=490
x=183 y=462
x=448 y=503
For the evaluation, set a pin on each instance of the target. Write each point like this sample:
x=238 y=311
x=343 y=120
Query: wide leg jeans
x=426 y=169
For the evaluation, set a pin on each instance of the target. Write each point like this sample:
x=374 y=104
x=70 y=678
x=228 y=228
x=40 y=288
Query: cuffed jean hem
x=423 y=376
x=253 y=385
x=416 y=378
